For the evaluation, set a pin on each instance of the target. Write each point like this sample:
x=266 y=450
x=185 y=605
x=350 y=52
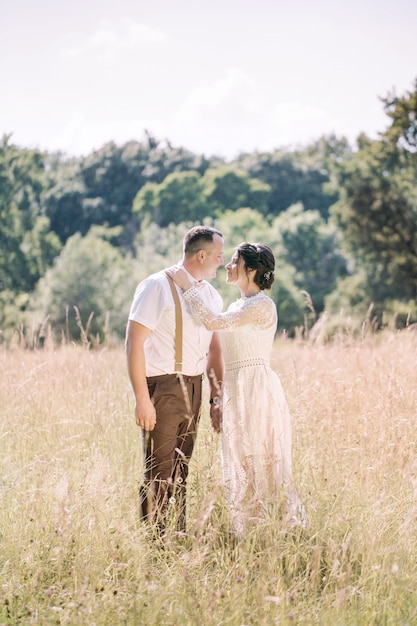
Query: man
x=168 y=403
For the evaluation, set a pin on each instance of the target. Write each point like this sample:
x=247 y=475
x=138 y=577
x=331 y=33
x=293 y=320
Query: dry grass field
x=72 y=550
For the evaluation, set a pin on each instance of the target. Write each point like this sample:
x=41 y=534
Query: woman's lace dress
x=256 y=427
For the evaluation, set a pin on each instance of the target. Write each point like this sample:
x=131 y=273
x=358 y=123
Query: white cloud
x=232 y=99
x=293 y=112
x=235 y=113
x=219 y=117
x=121 y=35
x=294 y=122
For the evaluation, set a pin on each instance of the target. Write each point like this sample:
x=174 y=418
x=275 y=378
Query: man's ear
x=201 y=255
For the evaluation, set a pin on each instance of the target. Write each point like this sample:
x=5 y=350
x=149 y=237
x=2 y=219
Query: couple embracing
x=247 y=403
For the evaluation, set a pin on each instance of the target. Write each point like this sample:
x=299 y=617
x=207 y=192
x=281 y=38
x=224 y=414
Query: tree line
x=77 y=234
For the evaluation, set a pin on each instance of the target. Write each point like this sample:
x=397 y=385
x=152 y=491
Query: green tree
x=145 y=208
x=228 y=188
x=114 y=174
x=158 y=247
x=402 y=110
x=64 y=198
x=27 y=246
x=245 y=224
x=377 y=213
x=289 y=300
x=311 y=246
x=188 y=196
x=91 y=275
x=178 y=198
x=298 y=176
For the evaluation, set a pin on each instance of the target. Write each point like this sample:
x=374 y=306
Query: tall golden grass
x=73 y=550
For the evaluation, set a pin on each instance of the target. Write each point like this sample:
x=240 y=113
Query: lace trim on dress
x=259 y=310
x=246 y=363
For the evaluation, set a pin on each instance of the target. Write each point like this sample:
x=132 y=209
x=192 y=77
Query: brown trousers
x=168 y=448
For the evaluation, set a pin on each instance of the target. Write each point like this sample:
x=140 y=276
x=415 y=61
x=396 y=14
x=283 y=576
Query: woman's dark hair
x=259 y=257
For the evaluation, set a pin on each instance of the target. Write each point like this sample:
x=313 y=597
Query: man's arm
x=136 y=335
x=215 y=373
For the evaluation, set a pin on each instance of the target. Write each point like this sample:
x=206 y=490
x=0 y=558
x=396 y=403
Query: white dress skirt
x=256 y=426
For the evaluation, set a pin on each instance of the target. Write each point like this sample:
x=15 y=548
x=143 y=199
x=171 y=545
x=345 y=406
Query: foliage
x=86 y=294
x=147 y=193
x=101 y=187
x=350 y=295
x=403 y=113
x=177 y=199
x=228 y=189
x=64 y=198
x=289 y=300
x=377 y=210
x=311 y=246
x=27 y=245
x=244 y=224
x=187 y=196
x=158 y=247
x=12 y=315
x=115 y=174
x=297 y=177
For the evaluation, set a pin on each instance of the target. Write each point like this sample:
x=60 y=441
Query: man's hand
x=179 y=276
x=216 y=417
x=145 y=414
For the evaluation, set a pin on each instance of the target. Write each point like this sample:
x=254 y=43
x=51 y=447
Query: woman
x=256 y=428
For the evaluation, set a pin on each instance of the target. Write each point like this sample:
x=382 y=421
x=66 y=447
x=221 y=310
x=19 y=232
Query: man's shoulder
x=152 y=294
x=157 y=278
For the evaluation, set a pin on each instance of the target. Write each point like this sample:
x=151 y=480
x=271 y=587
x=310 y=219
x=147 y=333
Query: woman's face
x=235 y=270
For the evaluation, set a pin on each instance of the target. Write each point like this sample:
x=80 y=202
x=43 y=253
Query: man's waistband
x=178 y=376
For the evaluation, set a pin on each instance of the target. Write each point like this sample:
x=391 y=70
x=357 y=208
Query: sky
x=216 y=77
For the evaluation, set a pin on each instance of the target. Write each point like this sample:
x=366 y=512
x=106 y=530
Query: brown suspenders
x=178 y=325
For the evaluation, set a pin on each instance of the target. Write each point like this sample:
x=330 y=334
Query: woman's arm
x=259 y=311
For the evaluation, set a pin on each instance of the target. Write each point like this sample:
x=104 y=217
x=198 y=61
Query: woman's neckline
x=253 y=295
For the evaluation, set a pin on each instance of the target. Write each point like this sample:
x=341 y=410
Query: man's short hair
x=197 y=238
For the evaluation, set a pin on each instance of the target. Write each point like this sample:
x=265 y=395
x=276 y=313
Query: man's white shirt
x=153 y=306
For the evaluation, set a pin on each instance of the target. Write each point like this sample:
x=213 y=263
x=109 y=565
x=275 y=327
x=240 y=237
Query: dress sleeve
x=259 y=311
